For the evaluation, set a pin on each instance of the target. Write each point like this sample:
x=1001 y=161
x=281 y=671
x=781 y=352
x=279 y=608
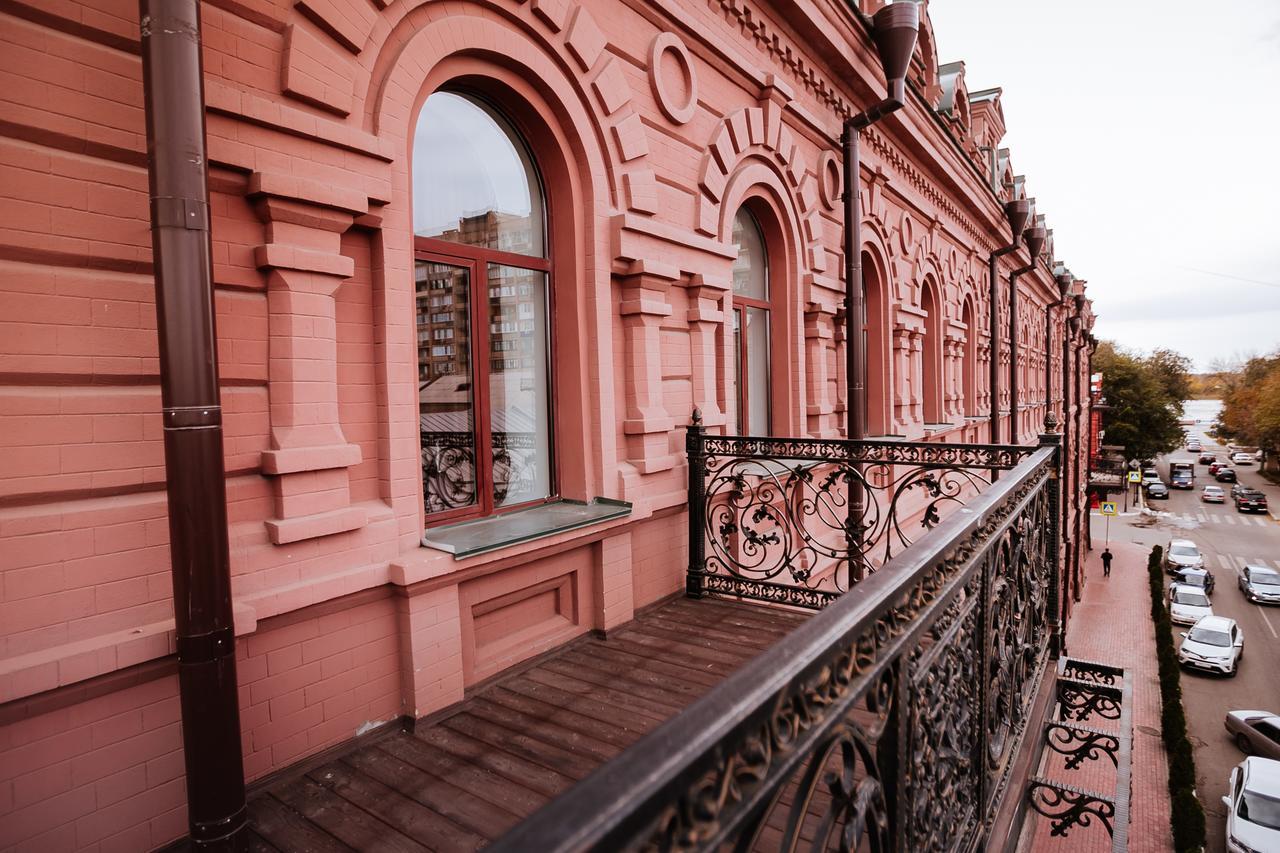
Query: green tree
x=1144 y=398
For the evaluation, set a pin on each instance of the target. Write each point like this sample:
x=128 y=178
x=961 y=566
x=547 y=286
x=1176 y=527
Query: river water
x=1203 y=411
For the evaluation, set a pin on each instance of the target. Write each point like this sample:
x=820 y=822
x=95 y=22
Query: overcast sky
x=1149 y=132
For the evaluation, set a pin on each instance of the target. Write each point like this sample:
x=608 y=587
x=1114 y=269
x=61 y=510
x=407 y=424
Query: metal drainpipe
x=1067 y=447
x=1035 y=241
x=173 y=83
x=894 y=30
x=1017 y=212
x=1077 y=481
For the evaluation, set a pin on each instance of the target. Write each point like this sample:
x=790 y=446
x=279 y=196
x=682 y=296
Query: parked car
x=1255 y=732
x=1207 y=459
x=1213 y=495
x=1158 y=490
x=1260 y=584
x=1225 y=475
x=1214 y=644
x=1251 y=500
x=1188 y=604
x=1253 y=806
x=1182 y=554
x=1242 y=458
x=1151 y=476
x=1202 y=578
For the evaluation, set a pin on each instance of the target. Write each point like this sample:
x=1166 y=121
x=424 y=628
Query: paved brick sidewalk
x=1112 y=624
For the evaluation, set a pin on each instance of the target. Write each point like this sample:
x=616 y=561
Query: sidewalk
x=1112 y=624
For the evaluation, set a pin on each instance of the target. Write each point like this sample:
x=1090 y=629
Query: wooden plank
x=343 y=820
x=772 y=620
x=711 y=671
x=660 y=700
x=710 y=635
x=465 y=797
x=678 y=649
x=621 y=657
x=535 y=777
x=285 y=829
x=406 y=815
x=663 y=685
x=610 y=734
x=591 y=706
x=255 y=843
x=501 y=738
x=565 y=734
x=623 y=703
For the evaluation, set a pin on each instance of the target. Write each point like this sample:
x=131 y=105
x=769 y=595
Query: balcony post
x=1051 y=438
x=693 y=441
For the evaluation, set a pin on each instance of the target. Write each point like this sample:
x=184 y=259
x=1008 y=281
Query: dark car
x=1195 y=577
x=1207 y=459
x=1225 y=475
x=1182 y=480
x=1251 y=500
x=1158 y=490
x=1260 y=584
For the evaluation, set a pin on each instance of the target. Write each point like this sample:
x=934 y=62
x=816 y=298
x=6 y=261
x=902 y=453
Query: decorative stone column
x=643 y=307
x=308 y=456
x=915 y=357
x=907 y=392
x=842 y=381
x=818 y=338
x=706 y=316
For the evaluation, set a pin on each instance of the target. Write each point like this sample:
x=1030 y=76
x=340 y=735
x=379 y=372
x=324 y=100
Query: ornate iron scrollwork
x=1067 y=806
x=1083 y=700
x=1081 y=743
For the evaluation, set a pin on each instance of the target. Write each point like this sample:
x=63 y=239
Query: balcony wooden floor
x=518 y=741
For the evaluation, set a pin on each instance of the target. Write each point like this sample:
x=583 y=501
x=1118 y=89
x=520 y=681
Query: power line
x=1233 y=277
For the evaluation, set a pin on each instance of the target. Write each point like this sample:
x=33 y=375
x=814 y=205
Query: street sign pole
x=1107 y=544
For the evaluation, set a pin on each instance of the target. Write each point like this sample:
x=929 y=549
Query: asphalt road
x=1228 y=540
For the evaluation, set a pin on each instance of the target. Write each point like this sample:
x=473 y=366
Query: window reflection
x=751 y=341
x=473 y=183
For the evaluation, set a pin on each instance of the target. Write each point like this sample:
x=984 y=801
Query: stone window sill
x=467 y=538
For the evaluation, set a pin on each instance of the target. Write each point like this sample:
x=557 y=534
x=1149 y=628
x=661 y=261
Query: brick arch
x=878 y=285
x=559 y=47
x=758 y=132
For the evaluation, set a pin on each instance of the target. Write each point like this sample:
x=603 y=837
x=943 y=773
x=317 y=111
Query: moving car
x=1242 y=458
x=1225 y=475
x=1260 y=585
x=1158 y=490
x=1202 y=578
x=1182 y=480
x=1251 y=500
x=1213 y=495
x=1255 y=732
x=1214 y=644
x=1188 y=604
x=1207 y=459
x=1182 y=554
x=1253 y=806
x=1215 y=466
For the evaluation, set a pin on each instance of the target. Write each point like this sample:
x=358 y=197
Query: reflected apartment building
x=475 y=266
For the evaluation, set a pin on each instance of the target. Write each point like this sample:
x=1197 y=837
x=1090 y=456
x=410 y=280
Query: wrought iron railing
x=888 y=721
x=799 y=521
x=449 y=467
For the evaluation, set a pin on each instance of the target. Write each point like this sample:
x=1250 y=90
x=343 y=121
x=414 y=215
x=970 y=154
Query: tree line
x=1143 y=396
x=1251 y=405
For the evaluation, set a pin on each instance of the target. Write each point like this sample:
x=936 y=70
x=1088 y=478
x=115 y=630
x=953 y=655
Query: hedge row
x=1188 y=815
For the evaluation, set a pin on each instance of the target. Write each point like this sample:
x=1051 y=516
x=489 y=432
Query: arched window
x=751 y=333
x=483 y=304
x=875 y=327
x=969 y=362
x=931 y=356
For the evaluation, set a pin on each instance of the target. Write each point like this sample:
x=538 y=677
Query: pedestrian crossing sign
x=1109 y=508
x=1135 y=477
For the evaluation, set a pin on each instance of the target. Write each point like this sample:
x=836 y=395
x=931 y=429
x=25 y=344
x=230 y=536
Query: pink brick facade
x=652 y=126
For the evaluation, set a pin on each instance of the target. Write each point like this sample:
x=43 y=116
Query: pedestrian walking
x=1106 y=562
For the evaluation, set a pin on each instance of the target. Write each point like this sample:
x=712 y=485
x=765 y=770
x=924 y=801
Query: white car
x=1253 y=806
x=1182 y=554
x=1242 y=458
x=1213 y=495
x=1188 y=604
x=1215 y=644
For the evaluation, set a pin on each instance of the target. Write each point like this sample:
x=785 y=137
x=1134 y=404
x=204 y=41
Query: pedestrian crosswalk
x=1228 y=519
x=1232 y=563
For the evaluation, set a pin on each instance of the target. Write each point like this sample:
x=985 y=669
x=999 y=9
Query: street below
x=1229 y=540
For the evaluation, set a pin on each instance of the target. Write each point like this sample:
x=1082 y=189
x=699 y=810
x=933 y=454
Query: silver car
x=1255 y=732
x=1253 y=806
x=1260 y=584
x=1215 y=644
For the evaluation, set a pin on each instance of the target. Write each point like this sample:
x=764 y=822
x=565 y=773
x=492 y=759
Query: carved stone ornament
x=674 y=81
